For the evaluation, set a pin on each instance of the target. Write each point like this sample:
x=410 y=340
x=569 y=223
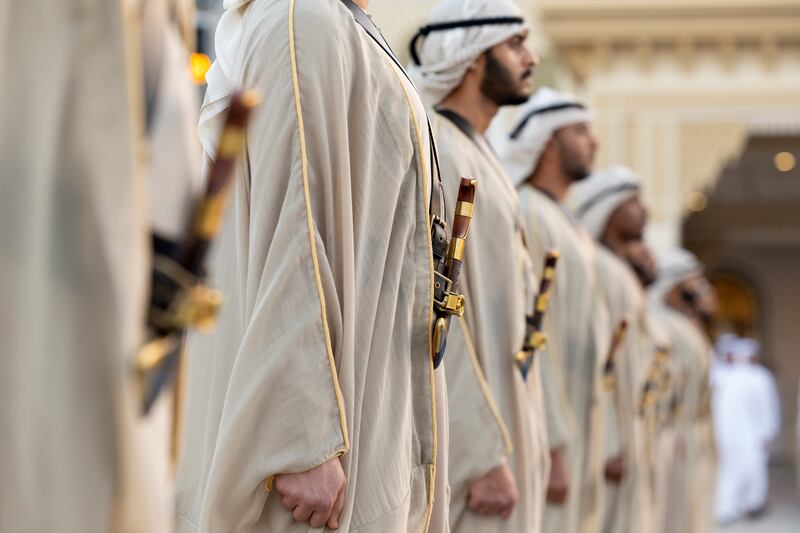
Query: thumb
x=333 y=521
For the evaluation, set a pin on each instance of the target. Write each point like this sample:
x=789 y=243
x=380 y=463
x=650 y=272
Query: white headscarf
x=446 y=55
x=596 y=198
x=744 y=349
x=545 y=113
x=221 y=75
x=725 y=343
x=674 y=267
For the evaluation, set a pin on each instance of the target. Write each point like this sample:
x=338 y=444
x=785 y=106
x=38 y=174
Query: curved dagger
x=535 y=338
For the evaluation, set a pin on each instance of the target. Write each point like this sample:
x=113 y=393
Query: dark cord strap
x=453 y=24
x=557 y=107
x=594 y=200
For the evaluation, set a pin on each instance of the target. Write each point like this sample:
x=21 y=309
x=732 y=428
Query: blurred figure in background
x=95 y=102
x=610 y=206
x=683 y=302
x=746 y=421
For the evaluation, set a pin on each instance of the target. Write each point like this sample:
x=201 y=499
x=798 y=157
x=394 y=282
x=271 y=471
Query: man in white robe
x=746 y=421
x=609 y=205
x=498 y=442
x=679 y=298
x=315 y=402
x=549 y=149
x=77 y=149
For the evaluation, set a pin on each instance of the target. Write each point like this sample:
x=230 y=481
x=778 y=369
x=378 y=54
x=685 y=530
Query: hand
x=615 y=469
x=494 y=494
x=558 y=486
x=315 y=496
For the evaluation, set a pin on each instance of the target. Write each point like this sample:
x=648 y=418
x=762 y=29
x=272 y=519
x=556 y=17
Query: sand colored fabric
x=495 y=415
x=323 y=346
x=661 y=441
x=692 y=485
x=628 y=506
x=579 y=333
x=75 y=264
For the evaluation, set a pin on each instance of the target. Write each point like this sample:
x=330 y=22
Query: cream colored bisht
x=323 y=346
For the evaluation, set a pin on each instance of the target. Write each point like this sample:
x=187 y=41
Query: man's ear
x=479 y=64
x=551 y=148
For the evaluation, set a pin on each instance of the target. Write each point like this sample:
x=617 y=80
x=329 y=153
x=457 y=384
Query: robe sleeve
x=479 y=438
x=561 y=421
x=284 y=408
x=613 y=433
x=560 y=418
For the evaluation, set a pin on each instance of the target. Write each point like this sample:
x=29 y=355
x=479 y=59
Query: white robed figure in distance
x=746 y=421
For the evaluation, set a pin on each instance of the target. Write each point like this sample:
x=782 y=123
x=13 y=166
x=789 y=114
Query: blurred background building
x=702 y=98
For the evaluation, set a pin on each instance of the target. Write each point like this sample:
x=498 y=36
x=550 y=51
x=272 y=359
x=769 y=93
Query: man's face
x=630 y=218
x=576 y=145
x=508 y=74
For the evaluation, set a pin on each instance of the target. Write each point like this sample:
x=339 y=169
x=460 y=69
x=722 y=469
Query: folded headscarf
x=674 y=267
x=545 y=113
x=596 y=198
x=457 y=33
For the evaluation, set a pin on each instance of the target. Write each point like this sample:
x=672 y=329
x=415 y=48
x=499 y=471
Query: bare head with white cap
x=552 y=145
x=471 y=58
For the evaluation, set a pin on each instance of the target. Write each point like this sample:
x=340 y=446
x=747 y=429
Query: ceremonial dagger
x=611 y=360
x=655 y=377
x=452 y=303
x=535 y=338
x=179 y=299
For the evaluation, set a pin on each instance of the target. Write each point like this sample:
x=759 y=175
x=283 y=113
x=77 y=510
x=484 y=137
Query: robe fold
x=660 y=423
x=76 y=455
x=628 y=505
x=323 y=346
x=579 y=333
x=692 y=487
x=495 y=415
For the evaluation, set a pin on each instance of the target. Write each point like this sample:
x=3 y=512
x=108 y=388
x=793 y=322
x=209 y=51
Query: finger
x=288 y=502
x=490 y=507
x=319 y=518
x=554 y=495
x=333 y=521
x=478 y=505
x=302 y=513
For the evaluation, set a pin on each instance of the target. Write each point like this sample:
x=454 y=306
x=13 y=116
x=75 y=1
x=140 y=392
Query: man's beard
x=645 y=275
x=573 y=167
x=499 y=85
